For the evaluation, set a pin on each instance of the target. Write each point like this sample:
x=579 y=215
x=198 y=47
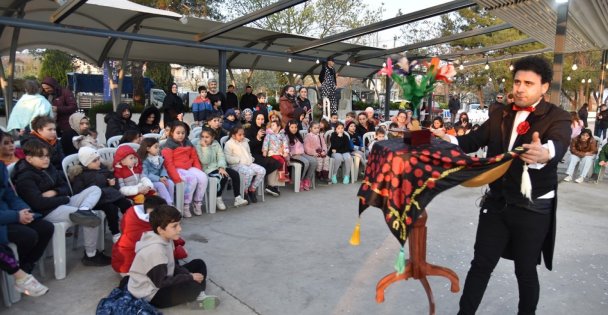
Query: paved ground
x=290 y=255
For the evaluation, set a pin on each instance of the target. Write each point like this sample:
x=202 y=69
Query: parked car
x=476 y=114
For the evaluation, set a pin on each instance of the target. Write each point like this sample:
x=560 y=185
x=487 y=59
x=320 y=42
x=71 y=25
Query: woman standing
x=327 y=77
x=288 y=107
x=173 y=106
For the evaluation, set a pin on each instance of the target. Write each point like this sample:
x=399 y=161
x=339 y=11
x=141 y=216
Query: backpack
x=122 y=302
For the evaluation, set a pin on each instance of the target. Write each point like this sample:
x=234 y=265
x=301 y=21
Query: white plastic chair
x=153 y=135
x=296 y=175
x=107 y=154
x=211 y=194
x=223 y=140
x=113 y=141
x=135 y=146
x=196 y=133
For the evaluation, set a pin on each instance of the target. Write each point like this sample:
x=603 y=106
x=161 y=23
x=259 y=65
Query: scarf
x=51 y=142
x=154 y=159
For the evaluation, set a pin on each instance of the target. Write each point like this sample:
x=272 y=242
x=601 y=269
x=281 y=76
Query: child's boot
x=187 y=213
x=306 y=184
x=346 y=180
x=198 y=208
x=302 y=184
x=219 y=203
x=334 y=179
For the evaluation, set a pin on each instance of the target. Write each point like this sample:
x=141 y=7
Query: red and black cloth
x=401 y=180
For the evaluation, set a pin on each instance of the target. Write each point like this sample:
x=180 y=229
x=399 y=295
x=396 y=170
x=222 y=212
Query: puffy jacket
x=179 y=155
x=83 y=178
x=56 y=152
x=32 y=182
x=155 y=172
x=65 y=102
x=314 y=142
x=211 y=157
x=130 y=180
x=10 y=204
x=237 y=152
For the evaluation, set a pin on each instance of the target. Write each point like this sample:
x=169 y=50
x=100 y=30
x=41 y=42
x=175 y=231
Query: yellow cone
x=355 y=239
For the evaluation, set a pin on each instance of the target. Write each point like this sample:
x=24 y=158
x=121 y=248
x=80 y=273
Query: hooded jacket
x=10 y=205
x=83 y=178
x=31 y=182
x=116 y=124
x=227 y=124
x=154 y=267
x=237 y=152
x=173 y=105
x=211 y=157
x=131 y=179
x=27 y=108
x=289 y=109
x=67 y=138
x=144 y=127
x=64 y=100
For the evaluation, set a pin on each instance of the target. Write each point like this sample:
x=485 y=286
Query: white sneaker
x=31 y=286
x=219 y=203
x=240 y=201
x=568 y=178
x=115 y=237
x=579 y=180
x=198 y=208
x=187 y=213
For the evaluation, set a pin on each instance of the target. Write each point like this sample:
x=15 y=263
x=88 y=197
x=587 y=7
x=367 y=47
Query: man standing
x=248 y=100
x=232 y=101
x=510 y=224
x=498 y=102
x=583 y=114
x=454 y=106
x=63 y=103
x=602 y=122
x=214 y=95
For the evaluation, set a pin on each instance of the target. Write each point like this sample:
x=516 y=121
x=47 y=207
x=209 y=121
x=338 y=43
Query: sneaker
x=307 y=184
x=219 y=203
x=272 y=191
x=302 y=185
x=334 y=179
x=187 y=213
x=568 y=178
x=85 y=217
x=579 y=180
x=198 y=208
x=205 y=302
x=346 y=180
x=115 y=237
x=30 y=286
x=98 y=260
x=239 y=201
x=252 y=196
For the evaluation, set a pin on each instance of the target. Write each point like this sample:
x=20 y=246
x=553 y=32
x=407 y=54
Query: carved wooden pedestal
x=417 y=267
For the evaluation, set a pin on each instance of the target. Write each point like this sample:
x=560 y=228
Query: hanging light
x=384 y=65
x=348 y=63
x=511 y=67
x=487 y=66
x=461 y=67
x=574 y=67
x=289 y=60
x=583 y=81
x=490 y=79
x=317 y=62
x=589 y=80
x=568 y=78
x=503 y=80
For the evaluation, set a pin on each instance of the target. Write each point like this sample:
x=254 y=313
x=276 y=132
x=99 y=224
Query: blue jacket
x=10 y=204
x=152 y=172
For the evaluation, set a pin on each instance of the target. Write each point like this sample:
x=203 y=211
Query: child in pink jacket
x=315 y=146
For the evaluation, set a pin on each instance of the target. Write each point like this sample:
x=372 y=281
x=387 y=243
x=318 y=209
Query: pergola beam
x=507 y=57
x=436 y=41
x=65 y=10
x=489 y=48
x=386 y=24
x=246 y=19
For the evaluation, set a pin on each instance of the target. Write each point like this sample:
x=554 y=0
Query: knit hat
x=86 y=155
x=75 y=119
x=122 y=152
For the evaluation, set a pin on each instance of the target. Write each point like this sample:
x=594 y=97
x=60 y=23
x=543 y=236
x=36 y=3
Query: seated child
x=129 y=172
x=393 y=134
x=333 y=121
x=24 y=282
x=154 y=169
x=154 y=274
x=44 y=189
x=91 y=172
x=296 y=153
x=201 y=106
x=133 y=224
x=276 y=146
x=239 y=158
x=214 y=122
x=87 y=139
x=315 y=146
x=213 y=161
x=341 y=152
x=44 y=129
x=230 y=120
x=378 y=136
x=131 y=136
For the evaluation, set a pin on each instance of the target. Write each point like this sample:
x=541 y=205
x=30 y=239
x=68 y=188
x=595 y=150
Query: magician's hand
x=535 y=153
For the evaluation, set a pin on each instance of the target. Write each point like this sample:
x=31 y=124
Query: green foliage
x=272 y=101
x=56 y=64
x=198 y=8
x=160 y=73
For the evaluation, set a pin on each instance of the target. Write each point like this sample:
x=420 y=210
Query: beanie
x=86 y=155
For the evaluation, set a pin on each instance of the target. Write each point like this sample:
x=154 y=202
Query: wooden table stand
x=417 y=267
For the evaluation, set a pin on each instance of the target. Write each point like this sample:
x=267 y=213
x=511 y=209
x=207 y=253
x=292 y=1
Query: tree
x=160 y=73
x=197 y=8
x=56 y=64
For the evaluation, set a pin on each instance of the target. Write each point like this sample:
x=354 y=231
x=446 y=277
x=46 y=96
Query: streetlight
x=574 y=67
x=289 y=60
x=568 y=78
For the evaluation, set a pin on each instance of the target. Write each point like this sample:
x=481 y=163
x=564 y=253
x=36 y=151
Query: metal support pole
x=558 y=57
x=222 y=71
x=603 y=75
x=387 y=98
x=123 y=65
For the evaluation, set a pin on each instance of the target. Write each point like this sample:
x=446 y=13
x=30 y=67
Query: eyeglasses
x=500 y=98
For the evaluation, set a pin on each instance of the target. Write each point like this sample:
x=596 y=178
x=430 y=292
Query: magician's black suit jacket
x=552 y=123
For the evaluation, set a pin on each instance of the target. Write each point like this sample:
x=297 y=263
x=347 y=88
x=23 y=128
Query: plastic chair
x=107 y=154
x=196 y=133
x=211 y=194
x=113 y=141
x=223 y=140
x=303 y=133
x=135 y=146
x=296 y=175
x=10 y=295
x=66 y=163
x=153 y=135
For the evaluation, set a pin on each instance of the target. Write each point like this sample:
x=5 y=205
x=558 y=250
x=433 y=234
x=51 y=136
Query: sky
x=406 y=6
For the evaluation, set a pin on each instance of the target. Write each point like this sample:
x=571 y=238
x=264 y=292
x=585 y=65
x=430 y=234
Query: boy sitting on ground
x=154 y=274
x=135 y=222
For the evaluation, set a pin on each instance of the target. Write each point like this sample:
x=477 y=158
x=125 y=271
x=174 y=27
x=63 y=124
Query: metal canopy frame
x=246 y=19
x=436 y=41
x=489 y=48
x=65 y=10
x=386 y=24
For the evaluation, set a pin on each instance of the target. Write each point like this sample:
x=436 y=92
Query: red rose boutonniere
x=523 y=128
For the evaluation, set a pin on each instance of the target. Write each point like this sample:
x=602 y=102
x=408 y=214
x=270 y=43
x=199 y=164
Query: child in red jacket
x=182 y=164
x=135 y=222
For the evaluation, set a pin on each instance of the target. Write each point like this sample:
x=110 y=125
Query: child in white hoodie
x=239 y=158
